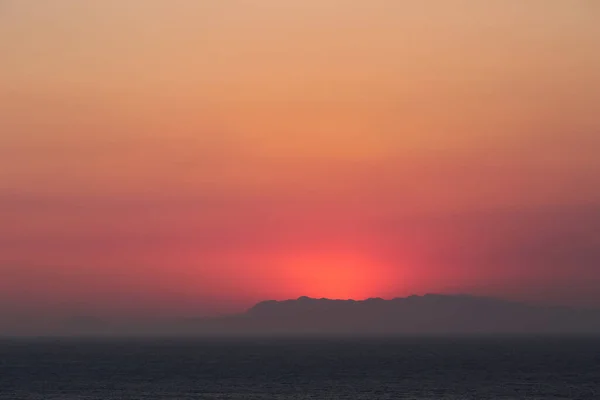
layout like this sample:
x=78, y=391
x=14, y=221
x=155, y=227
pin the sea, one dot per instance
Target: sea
x=451, y=368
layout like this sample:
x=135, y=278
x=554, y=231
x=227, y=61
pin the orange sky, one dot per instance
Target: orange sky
x=195, y=156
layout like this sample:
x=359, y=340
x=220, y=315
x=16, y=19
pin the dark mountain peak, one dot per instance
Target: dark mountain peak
x=428, y=313
x=307, y=305
x=431, y=313
x=374, y=299
x=377, y=300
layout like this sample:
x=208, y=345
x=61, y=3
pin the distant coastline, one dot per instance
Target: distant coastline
x=431, y=314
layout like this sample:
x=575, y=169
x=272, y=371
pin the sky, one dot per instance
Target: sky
x=192, y=157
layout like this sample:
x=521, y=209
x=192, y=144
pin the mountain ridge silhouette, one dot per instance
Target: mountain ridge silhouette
x=429, y=314
x=426, y=314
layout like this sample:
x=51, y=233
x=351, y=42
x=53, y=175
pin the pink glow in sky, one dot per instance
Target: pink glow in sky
x=189, y=157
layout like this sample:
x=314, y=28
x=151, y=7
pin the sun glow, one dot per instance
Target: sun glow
x=333, y=276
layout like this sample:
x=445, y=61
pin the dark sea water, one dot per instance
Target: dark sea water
x=459, y=368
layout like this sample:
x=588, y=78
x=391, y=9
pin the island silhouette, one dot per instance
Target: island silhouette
x=430, y=314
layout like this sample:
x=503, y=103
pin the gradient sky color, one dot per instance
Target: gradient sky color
x=187, y=157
